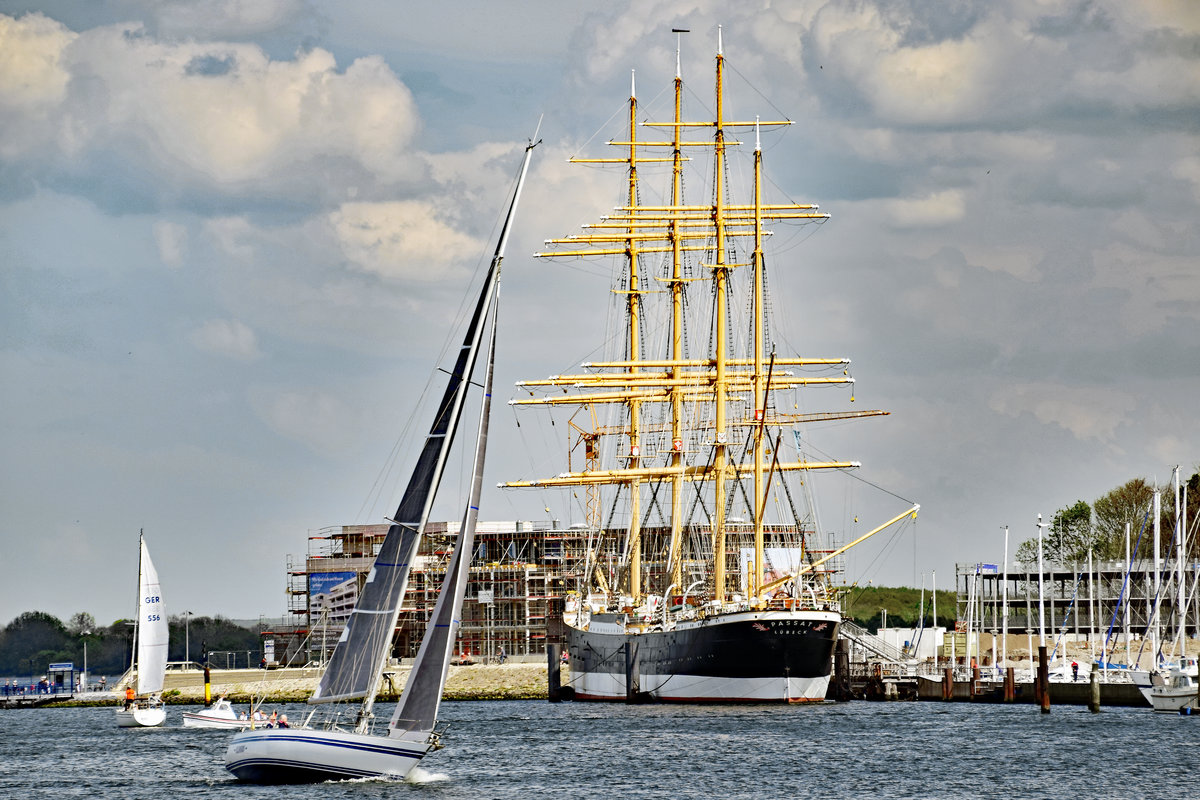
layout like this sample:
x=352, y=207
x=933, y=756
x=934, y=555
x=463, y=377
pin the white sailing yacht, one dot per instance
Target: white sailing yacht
x=145, y=709
x=328, y=747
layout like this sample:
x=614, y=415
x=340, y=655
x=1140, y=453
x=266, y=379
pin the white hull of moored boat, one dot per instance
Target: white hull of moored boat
x=673, y=688
x=1177, y=693
x=141, y=717
x=296, y=755
x=1173, y=701
x=219, y=715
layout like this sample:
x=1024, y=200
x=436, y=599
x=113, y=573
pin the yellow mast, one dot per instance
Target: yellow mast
x=635, y=450
x=760, y=387
x=676, y=542
x=720, y=276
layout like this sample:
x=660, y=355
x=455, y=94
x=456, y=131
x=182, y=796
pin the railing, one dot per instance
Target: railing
x=869, y=641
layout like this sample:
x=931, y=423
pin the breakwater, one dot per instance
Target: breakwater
x=511, y=681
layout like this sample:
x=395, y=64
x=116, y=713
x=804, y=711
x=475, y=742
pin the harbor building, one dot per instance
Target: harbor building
x=1136, y=610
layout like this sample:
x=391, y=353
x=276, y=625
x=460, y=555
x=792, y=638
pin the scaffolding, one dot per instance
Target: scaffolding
x=521, y=574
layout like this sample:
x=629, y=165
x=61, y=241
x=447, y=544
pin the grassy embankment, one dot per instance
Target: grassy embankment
x=865, y=604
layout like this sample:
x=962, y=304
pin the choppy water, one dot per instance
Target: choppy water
x=510, y=749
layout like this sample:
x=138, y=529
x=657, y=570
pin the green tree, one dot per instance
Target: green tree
x=1189, y=491
x=29, y=635
x=1068, y=539
x=80, y=623
x=1128, y=504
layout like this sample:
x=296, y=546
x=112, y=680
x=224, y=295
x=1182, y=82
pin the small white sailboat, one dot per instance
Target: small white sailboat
x=145, y=709
x=220, y=714
x=333, y=748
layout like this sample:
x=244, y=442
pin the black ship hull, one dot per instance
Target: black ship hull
x=752, y=656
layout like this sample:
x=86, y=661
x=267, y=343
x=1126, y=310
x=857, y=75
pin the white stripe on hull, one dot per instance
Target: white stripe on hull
x=699, y=688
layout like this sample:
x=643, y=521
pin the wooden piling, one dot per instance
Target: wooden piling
x=553, y=672
x=1043, y=680
x=1010, y=685
x=841, y=670
x=632, y=679
x=1094, y=699
x=948, y=684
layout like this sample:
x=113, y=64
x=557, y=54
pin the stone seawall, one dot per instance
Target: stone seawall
x=512, y=681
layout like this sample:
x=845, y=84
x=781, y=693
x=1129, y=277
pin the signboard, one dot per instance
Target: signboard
x=486, y=596
x=322, y=582
x=62, y=666
x=268, y=650
x=989, y=569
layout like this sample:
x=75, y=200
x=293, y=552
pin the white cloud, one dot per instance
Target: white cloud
x=931, y=210
x=171, y=239
x=227, y=337
x=317, y=419
x=224, y=18
x=224, y=114
x=401, y=239
x=1087, y=413
x=33, y=79
x=1188, y=169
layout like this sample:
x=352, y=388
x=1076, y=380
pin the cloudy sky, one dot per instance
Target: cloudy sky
x=234, y=238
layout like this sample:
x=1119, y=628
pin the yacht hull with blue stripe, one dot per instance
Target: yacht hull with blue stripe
x=302, y=755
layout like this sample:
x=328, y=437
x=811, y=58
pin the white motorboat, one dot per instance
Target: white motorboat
x=1178, y=694
x=145, y=709
x=220, y=714
x=333, y=747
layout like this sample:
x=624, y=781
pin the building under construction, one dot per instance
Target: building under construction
x=520, y=575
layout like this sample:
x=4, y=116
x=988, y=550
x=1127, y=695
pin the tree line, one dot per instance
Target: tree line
x=36, y=639
x=1099, y=528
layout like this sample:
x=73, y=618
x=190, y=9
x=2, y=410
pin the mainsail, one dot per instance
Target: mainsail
x=354, y=669
x=152, y=628
x=417, y=709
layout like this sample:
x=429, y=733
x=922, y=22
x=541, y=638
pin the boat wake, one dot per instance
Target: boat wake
x=420, y=776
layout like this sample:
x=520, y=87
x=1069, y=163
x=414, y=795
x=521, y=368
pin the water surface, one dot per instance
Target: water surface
x=531, y=749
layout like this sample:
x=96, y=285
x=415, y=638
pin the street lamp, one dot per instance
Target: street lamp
x=1041, y=586
x=1004, y=606
x=187, y=650
x=85, y=634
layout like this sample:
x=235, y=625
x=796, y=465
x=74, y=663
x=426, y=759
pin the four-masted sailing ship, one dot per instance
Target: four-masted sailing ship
x=695, y=588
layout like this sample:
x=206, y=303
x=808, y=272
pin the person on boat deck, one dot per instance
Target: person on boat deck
x=283, y=723
x=129, y=695
x=1074, y=670
x=274, y=719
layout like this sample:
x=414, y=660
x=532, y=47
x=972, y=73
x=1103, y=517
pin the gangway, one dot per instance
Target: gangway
x=859, y=636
